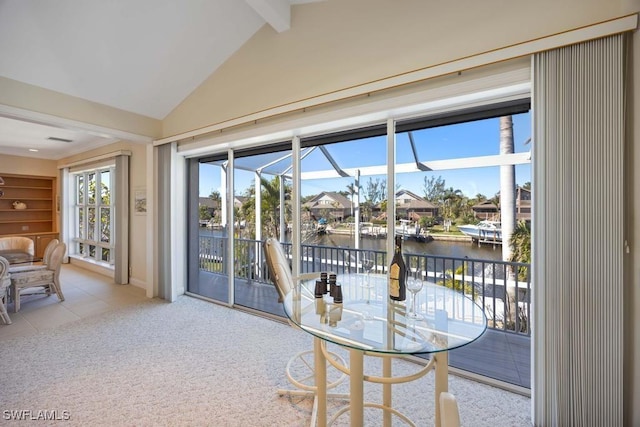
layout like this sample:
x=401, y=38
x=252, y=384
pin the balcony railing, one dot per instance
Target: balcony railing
x=501, y=288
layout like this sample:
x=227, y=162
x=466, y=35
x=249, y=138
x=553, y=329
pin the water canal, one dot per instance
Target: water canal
x=443, y=248
x=452, y=249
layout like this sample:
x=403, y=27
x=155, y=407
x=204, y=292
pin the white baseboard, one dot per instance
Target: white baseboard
x=138, y=283
x=92, y=266
x=104, y=270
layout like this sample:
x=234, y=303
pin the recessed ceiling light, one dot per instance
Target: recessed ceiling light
x=33, y=150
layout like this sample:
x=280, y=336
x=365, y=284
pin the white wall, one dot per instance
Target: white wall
x=137, y=226
x=339, y=44
x=36, y=99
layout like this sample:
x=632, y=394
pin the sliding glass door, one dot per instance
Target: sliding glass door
x=258, y=207
x=208, y=228
x=262, y=209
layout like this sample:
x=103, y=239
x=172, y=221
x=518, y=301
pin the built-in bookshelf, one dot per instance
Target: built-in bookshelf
x=38, y=219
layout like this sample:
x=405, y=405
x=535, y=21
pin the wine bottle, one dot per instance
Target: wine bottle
x=398, y=274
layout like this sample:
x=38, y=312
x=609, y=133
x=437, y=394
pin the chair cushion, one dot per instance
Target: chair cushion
x=23, y=268
x=278, y=264
x=29, y=278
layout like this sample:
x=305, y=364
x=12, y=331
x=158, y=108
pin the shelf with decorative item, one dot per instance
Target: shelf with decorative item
x=27, y=205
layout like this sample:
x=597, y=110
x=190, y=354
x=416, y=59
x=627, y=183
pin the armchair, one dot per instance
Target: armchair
x=48, y=278
x=5, y=282
x=45, y=259
x=17, y=243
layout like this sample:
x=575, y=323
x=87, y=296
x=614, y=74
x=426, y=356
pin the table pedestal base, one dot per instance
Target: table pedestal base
x=305, y=390
x=438, y=363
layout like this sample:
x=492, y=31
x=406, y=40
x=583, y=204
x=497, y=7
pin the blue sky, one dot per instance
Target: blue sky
x=478, y=138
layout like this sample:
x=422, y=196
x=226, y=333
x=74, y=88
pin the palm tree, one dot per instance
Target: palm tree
x=520, y=243
x=270, y=206
x=352, y=189
x=215, y=196
x=507, y=185
x=451, y=201
x=508, y=208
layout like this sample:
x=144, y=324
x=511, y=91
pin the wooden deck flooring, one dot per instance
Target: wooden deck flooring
x=498, y=355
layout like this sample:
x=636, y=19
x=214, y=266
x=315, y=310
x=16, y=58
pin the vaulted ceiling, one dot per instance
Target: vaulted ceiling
x=120, y=53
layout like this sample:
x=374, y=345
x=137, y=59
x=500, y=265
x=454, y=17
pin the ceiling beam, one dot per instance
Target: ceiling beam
x=277, y=13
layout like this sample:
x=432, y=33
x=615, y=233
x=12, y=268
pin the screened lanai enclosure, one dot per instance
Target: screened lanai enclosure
x=337, y=199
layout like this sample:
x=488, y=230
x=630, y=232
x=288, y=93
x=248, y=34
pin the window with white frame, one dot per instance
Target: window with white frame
x=94, y=214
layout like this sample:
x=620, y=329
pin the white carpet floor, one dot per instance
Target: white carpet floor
x=194, y=363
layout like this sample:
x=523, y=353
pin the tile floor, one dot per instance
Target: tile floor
x=86, y=294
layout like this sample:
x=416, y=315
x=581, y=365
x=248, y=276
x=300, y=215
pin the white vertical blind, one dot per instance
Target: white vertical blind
x=121, y=274
x=66, y=218
x=578, y=234
x=165, y=160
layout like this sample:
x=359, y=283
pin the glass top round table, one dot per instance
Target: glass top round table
x=368, y=320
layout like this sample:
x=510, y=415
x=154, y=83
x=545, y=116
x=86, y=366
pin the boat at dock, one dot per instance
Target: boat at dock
x=368, y=229
x=408, y=229
x=321, y=228
x=483, y=232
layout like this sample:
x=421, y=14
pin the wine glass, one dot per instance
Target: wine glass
x=414, y=285
x=367, y=265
